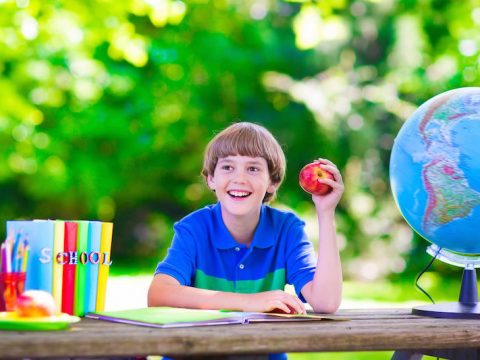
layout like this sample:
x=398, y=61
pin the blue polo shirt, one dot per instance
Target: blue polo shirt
x=203, y=254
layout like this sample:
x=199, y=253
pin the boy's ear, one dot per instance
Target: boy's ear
x=211, y=182
x=272, y=188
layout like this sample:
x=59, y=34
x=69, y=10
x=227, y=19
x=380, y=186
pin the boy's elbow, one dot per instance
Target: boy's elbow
x=156, y=295
x=326, y=305
x=325, y=302
x=151, y=302
x=326, y=308
x=155, y=298
x=152, y=299
x=161, y=290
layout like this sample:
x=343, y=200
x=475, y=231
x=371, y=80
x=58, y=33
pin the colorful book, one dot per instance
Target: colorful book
x=169, y=317
x=69, y=259
x=58, y=240
x=95, y=257
x=104, y=267
x=40, y=238
x=81, y=271
x=69, y=267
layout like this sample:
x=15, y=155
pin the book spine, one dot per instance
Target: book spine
x=69, y=267
x=58, y=241
x=39, y=236
x=95, y=234
x=81, y=271
x=105, y=247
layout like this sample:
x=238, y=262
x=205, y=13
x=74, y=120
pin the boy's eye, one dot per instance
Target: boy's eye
x=226, y=167
x=253, y=169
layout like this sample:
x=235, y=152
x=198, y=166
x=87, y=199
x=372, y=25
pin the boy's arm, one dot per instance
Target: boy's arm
x=324, y=292
x=167, y=291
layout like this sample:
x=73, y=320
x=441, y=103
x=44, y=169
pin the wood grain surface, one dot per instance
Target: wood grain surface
x=373, y=329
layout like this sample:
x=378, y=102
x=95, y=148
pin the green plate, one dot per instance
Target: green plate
x=10, y=321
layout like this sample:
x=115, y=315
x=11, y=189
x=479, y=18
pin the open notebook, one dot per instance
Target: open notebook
x=169, y=317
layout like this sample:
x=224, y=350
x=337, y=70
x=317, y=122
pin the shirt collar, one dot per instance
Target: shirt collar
x=262, y=238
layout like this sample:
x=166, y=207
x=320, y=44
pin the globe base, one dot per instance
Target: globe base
x=467, y=307
x=451, y=310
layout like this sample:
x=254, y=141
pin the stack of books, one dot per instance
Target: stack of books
x=69, y=259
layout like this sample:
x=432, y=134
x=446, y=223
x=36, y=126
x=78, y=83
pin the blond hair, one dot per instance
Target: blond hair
x=246, y=139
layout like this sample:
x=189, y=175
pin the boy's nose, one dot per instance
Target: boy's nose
x=239, y=177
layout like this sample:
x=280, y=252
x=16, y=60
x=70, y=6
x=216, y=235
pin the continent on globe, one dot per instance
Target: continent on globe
x=449, y=195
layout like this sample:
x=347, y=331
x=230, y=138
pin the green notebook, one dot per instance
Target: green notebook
x=169, y=317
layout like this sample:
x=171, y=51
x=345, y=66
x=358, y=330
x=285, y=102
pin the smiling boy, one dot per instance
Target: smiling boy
x=239, y=253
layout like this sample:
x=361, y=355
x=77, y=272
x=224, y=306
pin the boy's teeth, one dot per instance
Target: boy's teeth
x=239, y=193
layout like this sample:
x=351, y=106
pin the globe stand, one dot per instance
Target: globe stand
x=467, y=306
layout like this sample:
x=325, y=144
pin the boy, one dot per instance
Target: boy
x=239, y=253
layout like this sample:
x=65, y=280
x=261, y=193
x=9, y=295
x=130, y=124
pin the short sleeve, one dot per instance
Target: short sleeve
x=301, y=260
x=180, y=260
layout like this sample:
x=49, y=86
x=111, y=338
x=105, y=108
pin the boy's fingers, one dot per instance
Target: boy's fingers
x=332, y=169
x=282, y=306
x=324, y=161
x=334, y=184
x=296, y=305
x=301, y=307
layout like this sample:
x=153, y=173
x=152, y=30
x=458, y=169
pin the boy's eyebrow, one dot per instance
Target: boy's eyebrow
x=254, y=162
x=250, y=162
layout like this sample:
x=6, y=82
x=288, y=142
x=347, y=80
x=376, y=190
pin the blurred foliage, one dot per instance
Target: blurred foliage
x=106, y=107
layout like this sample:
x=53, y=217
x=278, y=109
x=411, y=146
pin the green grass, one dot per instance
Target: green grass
x=371, y=355
x=124, y=267
x=403, y=290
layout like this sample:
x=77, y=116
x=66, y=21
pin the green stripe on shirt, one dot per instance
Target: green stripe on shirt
x=273, y=281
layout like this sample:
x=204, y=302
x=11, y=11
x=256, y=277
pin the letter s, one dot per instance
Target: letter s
x=46, y=255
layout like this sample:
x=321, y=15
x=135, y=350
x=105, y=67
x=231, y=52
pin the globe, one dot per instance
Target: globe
x=435, y=170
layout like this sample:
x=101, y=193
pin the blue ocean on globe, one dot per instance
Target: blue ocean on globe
x=435, y=170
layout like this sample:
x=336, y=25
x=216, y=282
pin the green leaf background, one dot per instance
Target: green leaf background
x=106, y=107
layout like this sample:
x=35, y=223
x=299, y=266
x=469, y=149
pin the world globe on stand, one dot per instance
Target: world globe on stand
x=435, y=170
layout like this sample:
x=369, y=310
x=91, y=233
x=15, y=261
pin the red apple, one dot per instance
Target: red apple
x=35, y=303
x=309, y=176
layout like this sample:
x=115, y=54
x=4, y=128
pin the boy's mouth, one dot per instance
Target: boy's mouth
x=237, y=194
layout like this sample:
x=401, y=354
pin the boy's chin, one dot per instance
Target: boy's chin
x=240, y=208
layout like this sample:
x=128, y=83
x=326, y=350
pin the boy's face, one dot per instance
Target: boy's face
x=240, y=183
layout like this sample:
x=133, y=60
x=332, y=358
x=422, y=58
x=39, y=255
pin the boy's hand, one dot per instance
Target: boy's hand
x=330, y=200
x=274, y=300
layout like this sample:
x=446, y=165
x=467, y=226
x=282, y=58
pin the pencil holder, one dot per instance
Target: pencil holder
x=12, y=284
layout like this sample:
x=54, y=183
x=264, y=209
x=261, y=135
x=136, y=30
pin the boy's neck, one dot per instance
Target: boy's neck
x=242, y=228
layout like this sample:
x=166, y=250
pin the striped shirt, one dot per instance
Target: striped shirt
x=203, y=254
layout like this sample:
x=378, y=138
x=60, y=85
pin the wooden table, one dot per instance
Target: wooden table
x=366, y=330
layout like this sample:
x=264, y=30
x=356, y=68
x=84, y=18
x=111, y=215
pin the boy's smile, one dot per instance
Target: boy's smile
x=240, y=184
x=239, y=194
